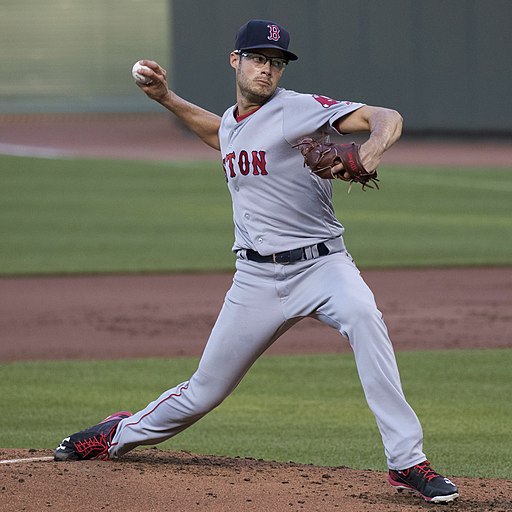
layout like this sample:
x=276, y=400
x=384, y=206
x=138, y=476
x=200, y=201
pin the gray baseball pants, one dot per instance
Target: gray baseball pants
x=265, y=300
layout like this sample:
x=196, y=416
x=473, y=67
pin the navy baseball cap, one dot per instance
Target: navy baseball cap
x=264, y=34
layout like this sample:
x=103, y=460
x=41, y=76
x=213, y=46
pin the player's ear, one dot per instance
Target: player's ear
x=234, y=59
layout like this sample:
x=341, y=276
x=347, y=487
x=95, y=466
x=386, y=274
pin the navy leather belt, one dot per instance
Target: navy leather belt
x=287, y=257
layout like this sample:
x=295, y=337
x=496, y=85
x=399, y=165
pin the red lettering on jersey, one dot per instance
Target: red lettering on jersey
x=274, y=33
x=228, y=159
x=325, y=101
x=259, y=164
x=243, y=163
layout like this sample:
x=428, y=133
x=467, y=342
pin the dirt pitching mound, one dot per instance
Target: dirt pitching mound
x=154, y=480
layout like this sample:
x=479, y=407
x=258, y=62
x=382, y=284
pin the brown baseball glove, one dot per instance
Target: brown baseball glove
x=321, y=157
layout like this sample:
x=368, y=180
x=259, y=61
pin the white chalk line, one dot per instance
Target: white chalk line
x=29, y=459
x=33, y=151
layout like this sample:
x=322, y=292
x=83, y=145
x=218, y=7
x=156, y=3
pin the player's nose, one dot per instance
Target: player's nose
x=267, y=67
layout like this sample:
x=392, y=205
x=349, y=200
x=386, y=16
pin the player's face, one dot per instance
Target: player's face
x=256, y=79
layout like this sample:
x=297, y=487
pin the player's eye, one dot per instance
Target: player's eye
x=260, y=60
x=278, y=63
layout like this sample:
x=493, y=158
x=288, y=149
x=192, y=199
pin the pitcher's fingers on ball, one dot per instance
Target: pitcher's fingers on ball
x=159, y=70
x=142, y=74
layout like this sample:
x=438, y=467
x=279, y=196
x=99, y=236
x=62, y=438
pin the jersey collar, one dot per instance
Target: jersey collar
x=245, y=116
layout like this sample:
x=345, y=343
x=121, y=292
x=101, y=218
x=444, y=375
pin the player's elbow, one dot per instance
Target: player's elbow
x=394, y=122
x=397, y=120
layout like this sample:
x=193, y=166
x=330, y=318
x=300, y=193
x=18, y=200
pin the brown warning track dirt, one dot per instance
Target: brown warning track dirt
x=110, y=317
x=156, y=136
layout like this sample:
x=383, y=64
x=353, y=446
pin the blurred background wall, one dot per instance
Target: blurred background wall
x=77, y=55
x=445, y=65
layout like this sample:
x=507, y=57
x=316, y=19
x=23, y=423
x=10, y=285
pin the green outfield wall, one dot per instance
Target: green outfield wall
x=445, y=65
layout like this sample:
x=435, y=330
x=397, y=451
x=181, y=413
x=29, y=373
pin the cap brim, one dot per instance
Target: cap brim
x=287, y=54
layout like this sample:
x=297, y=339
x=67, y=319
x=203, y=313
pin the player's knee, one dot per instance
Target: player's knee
x=207, y=403
x=207, y=393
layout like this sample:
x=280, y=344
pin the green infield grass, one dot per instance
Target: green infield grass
x=60, y=216
x=307, y=409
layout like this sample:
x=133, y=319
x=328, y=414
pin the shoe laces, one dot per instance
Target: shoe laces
x=426, y=471
x=96, y=445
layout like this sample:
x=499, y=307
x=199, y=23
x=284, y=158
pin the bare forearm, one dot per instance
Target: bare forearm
x=203, y=123
x=385, y=127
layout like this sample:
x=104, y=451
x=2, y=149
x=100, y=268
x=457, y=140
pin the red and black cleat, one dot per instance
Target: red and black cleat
x=423, y=479
x=91, y=443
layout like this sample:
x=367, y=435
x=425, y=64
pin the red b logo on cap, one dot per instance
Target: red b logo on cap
x=274, y=34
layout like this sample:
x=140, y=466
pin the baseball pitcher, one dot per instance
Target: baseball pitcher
x=291, y=259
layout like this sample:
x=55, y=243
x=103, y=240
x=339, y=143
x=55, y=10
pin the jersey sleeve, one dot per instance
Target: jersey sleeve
x=306, y=114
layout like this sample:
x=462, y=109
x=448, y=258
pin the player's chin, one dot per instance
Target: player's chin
x=268, y=90
x=259, y=97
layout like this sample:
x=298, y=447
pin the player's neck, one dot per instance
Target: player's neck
x=244, y=108
x=246, y=105
x=240, y=117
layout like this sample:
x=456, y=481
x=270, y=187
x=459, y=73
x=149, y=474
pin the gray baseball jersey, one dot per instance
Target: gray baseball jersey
x=279, y=205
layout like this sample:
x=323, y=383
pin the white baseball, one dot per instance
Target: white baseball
x=140, y=79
